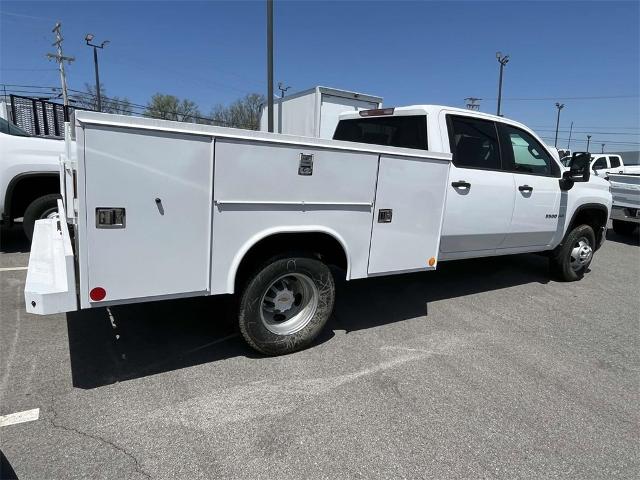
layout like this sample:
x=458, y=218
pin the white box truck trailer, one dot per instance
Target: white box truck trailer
x=315, y=112
x=161, y=210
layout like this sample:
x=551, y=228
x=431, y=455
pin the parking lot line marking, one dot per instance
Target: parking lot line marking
x=12, y=269
x=20, y=417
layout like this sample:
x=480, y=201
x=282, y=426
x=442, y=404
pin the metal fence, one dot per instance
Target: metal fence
x=39, y=117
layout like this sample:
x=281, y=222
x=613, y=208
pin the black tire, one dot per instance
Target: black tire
x=623, y=228
x=257, y=323
x=560, y=260
x=40, y=208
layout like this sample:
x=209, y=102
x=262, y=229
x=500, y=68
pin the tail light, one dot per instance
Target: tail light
x=376, y=112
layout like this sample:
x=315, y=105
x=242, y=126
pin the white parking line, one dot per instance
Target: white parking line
x=19, y=417
x=12, y=269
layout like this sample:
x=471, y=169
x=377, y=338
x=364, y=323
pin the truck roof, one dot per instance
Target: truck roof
x=436, y=109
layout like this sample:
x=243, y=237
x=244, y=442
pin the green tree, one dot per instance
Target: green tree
x=243, y=113
x=89, y=100
x=170, y=107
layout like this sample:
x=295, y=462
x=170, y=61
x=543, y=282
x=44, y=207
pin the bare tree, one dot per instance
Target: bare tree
x=89, y=101
x=170, y=107
x=243, y=113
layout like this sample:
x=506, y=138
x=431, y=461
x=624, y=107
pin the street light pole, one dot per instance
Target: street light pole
x=503, y=60
x=270, y=65
x=569, y=142
x=559, y=106
x=88, y=38
x=602, y=148
x=588, y=141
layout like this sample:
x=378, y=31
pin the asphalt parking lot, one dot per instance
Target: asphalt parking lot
x=483, y=369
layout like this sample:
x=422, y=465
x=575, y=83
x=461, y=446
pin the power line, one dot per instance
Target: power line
x=546, y=99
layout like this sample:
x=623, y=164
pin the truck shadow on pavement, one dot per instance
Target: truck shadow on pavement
x=137, y=340
x=633, y=239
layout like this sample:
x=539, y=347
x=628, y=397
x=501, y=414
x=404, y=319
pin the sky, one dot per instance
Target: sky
x=583, y=54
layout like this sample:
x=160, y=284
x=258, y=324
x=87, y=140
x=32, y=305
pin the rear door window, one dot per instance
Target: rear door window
x=408, y=131
x=615, y=162
x=474, y=143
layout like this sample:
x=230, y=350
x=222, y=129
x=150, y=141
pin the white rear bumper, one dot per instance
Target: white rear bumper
x=51, y=280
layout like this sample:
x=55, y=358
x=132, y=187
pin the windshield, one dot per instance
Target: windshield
x=11, y=129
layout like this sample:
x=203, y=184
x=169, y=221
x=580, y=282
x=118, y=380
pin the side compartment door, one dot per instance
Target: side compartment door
x=480, y=194
x=536, y=212
x=408, y=214
x=148, y=217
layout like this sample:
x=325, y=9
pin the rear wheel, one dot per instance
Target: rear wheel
x=42, y=207
x=571, y=261
x=286, y=303
x=623, y=228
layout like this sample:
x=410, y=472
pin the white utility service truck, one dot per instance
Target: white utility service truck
x=162, y=210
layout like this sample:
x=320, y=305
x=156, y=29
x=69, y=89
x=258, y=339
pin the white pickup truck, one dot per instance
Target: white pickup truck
x=29, y=176
x=163, y=210
x=604, y=164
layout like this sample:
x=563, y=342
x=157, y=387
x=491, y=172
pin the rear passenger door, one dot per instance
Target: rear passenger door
x=537, y=190
x=615, y=165
x=480, y=193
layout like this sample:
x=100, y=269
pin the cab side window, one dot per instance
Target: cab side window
x=524, y=154
x=615, y=162
x=600, y=164
x=474, y=143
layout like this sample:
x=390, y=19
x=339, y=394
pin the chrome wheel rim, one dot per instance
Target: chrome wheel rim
x=581, y=254
x=289, y=303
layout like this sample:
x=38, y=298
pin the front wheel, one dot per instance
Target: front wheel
x=570, y=262
x=286, y=303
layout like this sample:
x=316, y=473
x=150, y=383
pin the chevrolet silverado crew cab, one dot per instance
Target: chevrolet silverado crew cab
x=163, y=210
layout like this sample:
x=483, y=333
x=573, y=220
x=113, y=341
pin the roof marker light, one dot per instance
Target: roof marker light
x=376, y=112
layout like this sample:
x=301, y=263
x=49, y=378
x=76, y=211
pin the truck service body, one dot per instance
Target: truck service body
x=164, y=209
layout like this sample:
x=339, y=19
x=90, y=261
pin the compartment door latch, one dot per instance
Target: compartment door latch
x=306, y=164
x=107, y=217
x=385, y=215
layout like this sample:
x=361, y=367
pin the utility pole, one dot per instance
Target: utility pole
x=472, y=103
x=88, y=38
x=588, y=141
x=602, y=151
x=60, y=58
x=559, y=106
x=503, y=60
x=282, y=89
x=569, y=142
x=270, y=65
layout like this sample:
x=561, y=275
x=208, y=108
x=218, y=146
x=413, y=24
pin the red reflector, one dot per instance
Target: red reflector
x=97, y=294
x=376, y=112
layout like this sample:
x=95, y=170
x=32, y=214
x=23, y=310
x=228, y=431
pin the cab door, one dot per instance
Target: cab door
x=536, y=210
x=480, y=193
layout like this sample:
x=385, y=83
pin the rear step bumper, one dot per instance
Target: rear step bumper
x=51, y=280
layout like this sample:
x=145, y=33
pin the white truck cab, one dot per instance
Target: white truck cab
x=164, y=210
x=29, y=176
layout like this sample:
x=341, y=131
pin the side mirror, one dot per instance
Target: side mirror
x=579, y=171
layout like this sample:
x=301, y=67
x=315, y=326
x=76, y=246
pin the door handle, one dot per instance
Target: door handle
x=525, y=188
x=460, y=184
